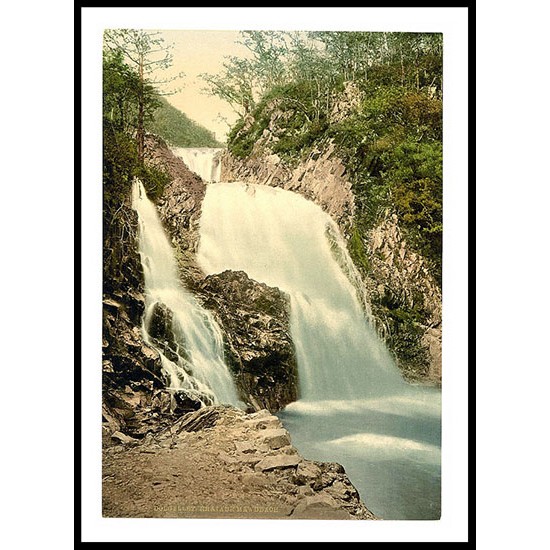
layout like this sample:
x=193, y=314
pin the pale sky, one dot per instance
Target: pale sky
x=197, y=52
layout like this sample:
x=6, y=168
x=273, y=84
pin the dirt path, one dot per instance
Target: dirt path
x=220, y=462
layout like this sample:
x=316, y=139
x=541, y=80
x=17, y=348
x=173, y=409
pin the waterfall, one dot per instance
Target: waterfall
x=282, y=239
x=196, y=365
x=354, y=407
x=204, y=161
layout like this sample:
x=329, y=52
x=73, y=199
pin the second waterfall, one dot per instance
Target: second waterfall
x=191, y=349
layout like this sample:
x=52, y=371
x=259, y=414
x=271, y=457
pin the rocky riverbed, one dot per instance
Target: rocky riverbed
x=220, y=462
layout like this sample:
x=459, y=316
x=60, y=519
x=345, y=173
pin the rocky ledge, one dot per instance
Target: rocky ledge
x=221, y=462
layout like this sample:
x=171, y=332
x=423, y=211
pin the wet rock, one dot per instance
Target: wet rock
x=259, y=348
x=161, y=333
x=185, y=402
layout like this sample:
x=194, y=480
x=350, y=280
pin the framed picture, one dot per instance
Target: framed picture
x=279, y=213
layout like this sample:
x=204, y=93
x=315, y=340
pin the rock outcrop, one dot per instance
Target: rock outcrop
x=406, y=301
x=134, y=398
x=259, y=348
x=221, y=462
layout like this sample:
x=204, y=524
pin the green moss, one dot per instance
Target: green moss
x=154, y=180
x=356, y=249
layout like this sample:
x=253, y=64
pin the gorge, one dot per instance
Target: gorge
x=349, y=401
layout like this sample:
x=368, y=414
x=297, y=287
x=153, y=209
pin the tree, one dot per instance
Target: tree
x=234, y=84
x=244, y=80
x=145, y=53
x=120, y=85
x=269, y=50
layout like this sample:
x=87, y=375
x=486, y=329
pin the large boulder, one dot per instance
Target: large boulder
x=259, y=348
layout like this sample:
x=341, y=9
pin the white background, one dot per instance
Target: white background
x=512, y=300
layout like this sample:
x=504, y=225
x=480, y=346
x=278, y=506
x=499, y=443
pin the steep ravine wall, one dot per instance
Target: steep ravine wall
x=404, y=298
x=135, y=400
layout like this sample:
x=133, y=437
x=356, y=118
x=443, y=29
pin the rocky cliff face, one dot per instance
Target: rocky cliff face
x=406, y=301
x=134, y=398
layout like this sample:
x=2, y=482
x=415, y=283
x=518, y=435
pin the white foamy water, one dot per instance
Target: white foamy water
x=204, y=161
x=413, y=404
x=281, y=239
x=200, y=368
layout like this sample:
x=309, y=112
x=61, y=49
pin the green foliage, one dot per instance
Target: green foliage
x=241, y=141
x=298, y=123
x=154, y=180
x=143, y=53
x=119, y=165
x=392, y=148
x=356, y=249
x=120, y=92
x=178, y=129
x=246, y=132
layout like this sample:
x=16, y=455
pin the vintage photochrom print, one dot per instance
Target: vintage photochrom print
x=272, y=274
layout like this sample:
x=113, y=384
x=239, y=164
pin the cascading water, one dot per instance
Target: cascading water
x=204, y=161
x=280, y=238
x=354, y=406
x=199, y=366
